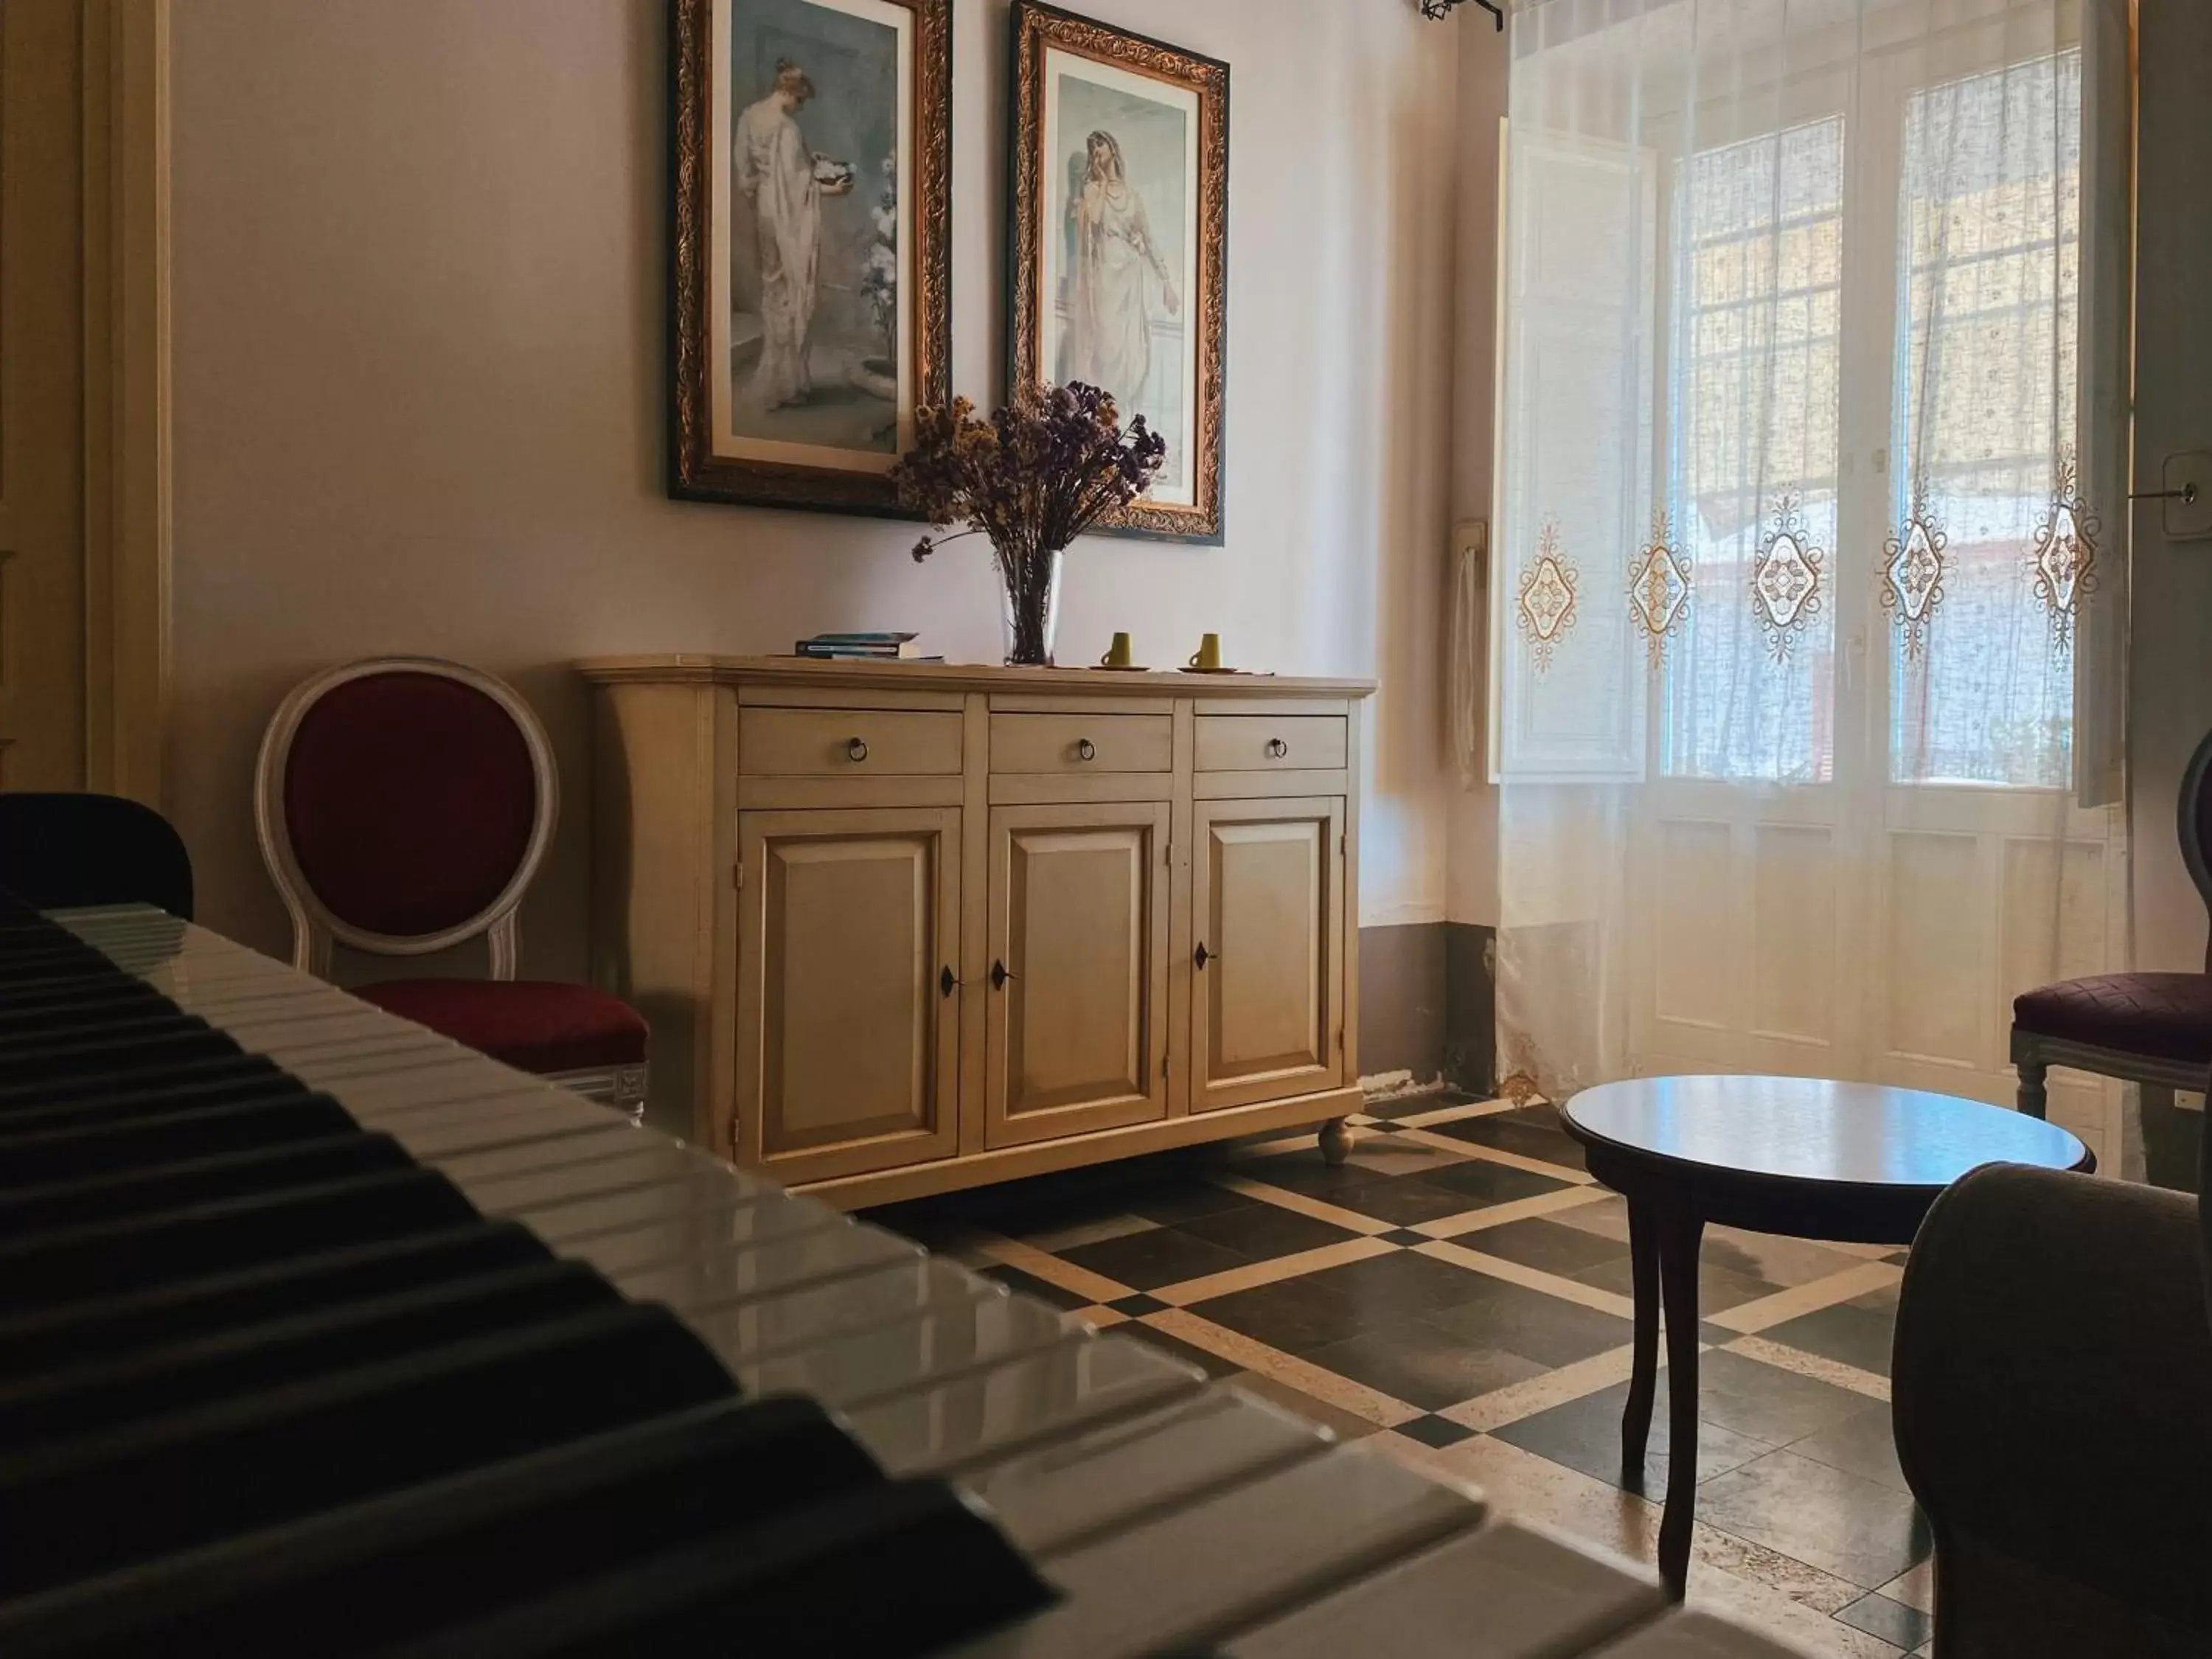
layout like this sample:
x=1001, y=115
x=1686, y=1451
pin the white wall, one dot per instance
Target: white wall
x=419, y=395
x=2170, y=697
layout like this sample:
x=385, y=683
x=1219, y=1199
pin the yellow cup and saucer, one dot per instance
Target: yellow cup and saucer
x=1120, y=658
x=1207, y=659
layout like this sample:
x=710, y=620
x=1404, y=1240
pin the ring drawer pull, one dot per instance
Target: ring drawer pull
x=1278, y=747
x=1086, y=749
x=856, y=750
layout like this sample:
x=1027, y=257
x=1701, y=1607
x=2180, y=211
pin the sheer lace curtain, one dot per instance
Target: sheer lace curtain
x=1809, y=616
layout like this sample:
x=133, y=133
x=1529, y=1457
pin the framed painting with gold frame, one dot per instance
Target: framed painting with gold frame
x=810, y=304
x=1118, y=244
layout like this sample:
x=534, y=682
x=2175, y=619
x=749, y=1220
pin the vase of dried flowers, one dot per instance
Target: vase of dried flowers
x=1031, y=478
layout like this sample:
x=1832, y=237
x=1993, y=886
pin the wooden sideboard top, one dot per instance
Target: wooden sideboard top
x=684, y=667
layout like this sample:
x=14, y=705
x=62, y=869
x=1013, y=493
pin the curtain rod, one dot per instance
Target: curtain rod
x=1444, y=8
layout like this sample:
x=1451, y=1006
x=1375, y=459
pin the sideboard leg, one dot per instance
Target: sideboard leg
x=1335, y=1142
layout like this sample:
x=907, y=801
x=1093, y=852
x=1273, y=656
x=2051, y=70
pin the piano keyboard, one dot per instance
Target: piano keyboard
x=320, y=1333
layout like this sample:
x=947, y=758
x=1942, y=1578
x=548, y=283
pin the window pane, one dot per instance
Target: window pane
x=1988, y=294
x=1755, y=436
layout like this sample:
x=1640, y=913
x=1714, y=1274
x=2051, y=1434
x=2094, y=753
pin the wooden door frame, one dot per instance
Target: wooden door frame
x=127, y=528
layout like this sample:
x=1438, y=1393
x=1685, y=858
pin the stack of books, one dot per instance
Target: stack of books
x=863, y=647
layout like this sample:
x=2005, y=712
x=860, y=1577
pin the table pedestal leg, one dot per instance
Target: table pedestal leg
x=1679, y=1234
x=1644, y=1380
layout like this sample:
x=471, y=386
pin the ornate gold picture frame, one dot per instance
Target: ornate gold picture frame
x=1119, y=244
x=810, y=306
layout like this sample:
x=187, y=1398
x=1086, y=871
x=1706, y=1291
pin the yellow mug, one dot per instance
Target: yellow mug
x=1208, y=657
x=1120, y=654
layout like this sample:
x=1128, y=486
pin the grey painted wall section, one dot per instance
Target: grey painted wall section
x=1428, y=1004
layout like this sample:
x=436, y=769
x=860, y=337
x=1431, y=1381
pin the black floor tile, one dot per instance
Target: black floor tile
x=1480, y=1182
x=1888, y=1621
x=1546, y=1328
x=1307, y=1174
x=1138, y=1304
x=1211, y=1363
x=1260, y=1232
x=1857, y=1530
x=1404, y=1235
x=1509, y=1134
x=1768, y=1403
x=1718, y=1288
x=1030, y=1284
x=1175, y=1197
x=1585, y=1434
x=1856, y=1336
x=1863, y=1445
x=1547, y=1245
x=1413, y=1361
x=1384, y=1287
x=1405, y=1201
x=1434, y=1430
x=1412, y=1105
x=1157, y=1256
x=1294, y=1315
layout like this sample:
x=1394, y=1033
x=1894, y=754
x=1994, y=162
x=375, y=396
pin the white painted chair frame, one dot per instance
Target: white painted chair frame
x=314, y=928
x=2168, y=1139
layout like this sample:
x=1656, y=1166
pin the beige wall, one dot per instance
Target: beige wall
x=419, y=392
x=2170, y=695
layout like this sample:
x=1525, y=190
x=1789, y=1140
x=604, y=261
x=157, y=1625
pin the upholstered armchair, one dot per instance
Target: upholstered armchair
x=2052, y=1397
x=2151, y=1029
x=403, y=805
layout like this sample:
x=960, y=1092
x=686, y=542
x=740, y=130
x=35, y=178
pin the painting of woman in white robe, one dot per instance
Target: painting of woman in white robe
x=1120, y=180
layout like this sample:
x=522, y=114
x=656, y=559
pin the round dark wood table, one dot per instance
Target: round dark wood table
x=1853, y=1161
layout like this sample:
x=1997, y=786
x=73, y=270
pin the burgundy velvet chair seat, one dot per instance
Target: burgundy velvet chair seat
x=533, y=1025
x=2168, y=1015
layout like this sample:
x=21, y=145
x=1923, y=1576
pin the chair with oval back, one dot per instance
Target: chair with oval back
x=2151, y=1029
x=403, y=805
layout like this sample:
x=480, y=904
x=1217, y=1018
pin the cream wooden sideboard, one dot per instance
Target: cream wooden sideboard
x=905, y=927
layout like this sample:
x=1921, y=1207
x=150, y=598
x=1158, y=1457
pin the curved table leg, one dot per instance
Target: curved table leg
x=1680, y=1232
x=1644, y=1380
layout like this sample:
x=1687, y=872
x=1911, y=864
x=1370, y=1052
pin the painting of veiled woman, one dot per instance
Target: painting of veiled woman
x=1120, y=169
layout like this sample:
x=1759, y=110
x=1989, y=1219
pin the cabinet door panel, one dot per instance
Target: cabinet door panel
x=1078, y=921
x=848, y=1042
x=1267, y=998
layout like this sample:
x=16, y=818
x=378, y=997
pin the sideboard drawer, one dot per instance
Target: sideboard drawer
x=847, y=743
x=1082, y=744
x=1265, y=743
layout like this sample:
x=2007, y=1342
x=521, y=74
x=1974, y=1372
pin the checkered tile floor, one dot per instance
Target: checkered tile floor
x=1459, y=1292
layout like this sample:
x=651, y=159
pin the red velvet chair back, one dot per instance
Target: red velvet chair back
x=404, y=805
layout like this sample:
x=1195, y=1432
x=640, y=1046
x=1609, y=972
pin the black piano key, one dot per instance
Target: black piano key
x=179, y=1309
x=94, y=1029
x=27, y=1009
x=83, y=1151
x=148, y=1050
x=362, y=1576
x=904, y=1569
x=51, y=1093
x=232, y=1082
x=149, y=1056
x=89, y=1398
x=25, y=1212
x=111, y=1258
x=93, y=1505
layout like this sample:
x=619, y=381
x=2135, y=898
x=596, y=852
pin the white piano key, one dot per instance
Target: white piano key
x=804, y=1318
x=520, y=1096
x=1204, y=1572
x=1507, y=1592
x=524, y=1119
x=682, y=1267
x=867, y=1366
x=1073, y=1489
x=998, y=1414
x=606, y=1159
x=1689, y=1635
x=432, y=1077
x=702, y=1207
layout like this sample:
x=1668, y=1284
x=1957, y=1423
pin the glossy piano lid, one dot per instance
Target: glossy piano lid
x=977, y=1419
x=1788, y=1128
x=1076, y=1489
x=815, y=1314
x=862, y=1367
x=1211, y=1569
x=1691, y=1635
x=1506, y=1592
